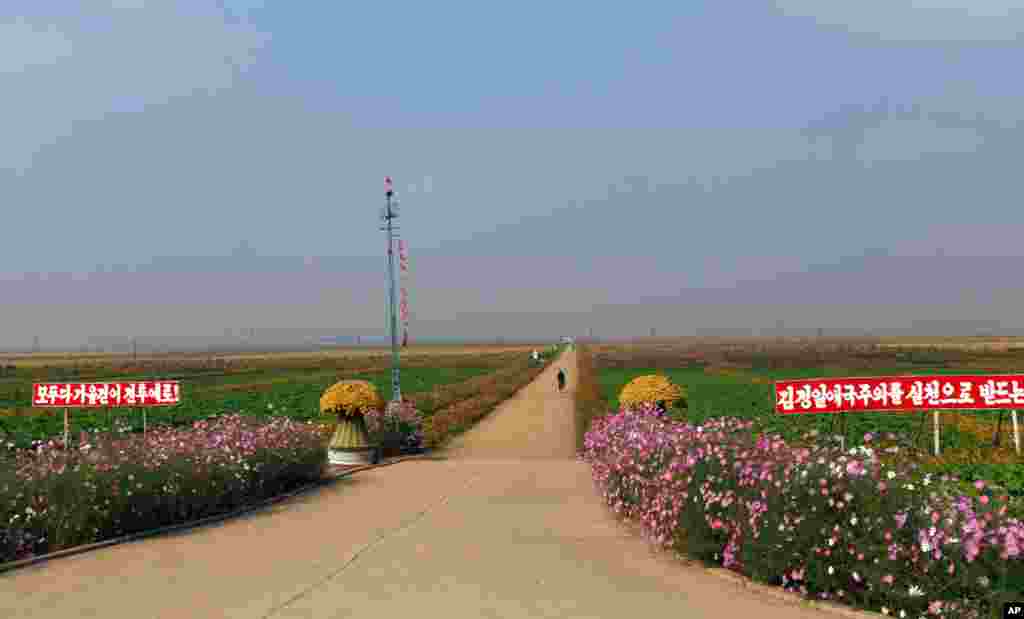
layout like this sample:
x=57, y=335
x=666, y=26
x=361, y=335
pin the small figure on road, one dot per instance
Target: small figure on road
x=561, y=379
x=536, y=356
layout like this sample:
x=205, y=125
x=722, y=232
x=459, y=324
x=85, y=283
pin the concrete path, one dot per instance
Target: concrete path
x=508, y=526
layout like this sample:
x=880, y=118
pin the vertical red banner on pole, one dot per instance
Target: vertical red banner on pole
x=403, y=261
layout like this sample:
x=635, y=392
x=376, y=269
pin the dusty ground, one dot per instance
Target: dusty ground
x=505, y=525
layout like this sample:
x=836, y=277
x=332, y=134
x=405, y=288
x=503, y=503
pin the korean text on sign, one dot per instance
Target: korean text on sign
x=835, y=395
x=96, y=395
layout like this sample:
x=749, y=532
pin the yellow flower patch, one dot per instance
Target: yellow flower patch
x=651, y=390
x=350, y=397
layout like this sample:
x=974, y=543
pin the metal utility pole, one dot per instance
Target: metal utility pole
x=388, y=214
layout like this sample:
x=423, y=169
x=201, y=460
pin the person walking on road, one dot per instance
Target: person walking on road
x=561, y=379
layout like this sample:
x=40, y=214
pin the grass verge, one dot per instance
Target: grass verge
x=590, y=402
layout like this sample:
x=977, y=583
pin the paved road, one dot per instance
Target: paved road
x=508, y=526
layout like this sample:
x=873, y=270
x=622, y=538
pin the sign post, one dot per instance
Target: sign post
x=388, y=215
x=105, y=395
x=1016, y=432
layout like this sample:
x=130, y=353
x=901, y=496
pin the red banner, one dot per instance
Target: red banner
x=403, y=307
x=403, y=257
x=97, y=395
x=899, y=393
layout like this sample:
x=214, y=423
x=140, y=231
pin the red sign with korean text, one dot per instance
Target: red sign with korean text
x=898, y=393
x=99, y=395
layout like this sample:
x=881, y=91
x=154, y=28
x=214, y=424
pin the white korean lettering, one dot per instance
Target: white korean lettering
x=966, y=392
x=1016, y=392
x=896, y=393
x=880, y=395
x=785, y=398
x=169, y=393
x=994, y=393
x=850, y=394
x=803, y=397
x=115, y=394
x=820, y=396
x=916, y=394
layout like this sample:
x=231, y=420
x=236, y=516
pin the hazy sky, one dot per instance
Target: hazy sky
x=183, y=166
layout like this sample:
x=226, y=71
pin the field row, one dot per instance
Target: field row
x=736, y=381
x=293, y=392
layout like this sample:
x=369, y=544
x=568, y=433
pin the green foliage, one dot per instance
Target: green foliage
x=713, y=395
x=588, y=401
x=116, y=485
x=291, y=394
x=818, y=521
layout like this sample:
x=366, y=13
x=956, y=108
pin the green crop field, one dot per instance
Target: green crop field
x=293, y=389
x=735, y=380
x=742, y=386
x=738, y=396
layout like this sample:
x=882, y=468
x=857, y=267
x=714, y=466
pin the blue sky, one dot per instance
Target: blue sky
x=771, y=137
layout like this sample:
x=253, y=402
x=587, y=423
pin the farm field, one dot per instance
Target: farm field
x=269, y=384
x=734, y=378
x=240, y=434
x=956, y=343
x=333, y=353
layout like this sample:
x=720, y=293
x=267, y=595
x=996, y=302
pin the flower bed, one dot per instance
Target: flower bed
x=113, y=485
x=845, y=527
x=397, y=429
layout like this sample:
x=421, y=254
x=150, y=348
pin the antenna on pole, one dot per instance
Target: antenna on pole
x=388, y=214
